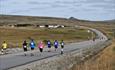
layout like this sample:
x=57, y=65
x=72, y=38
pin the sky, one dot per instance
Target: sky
x=94, y=10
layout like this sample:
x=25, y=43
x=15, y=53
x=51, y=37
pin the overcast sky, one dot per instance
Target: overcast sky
x=81, y=9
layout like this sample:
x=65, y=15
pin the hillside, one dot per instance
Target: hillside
x=8, y=19
x=105, y=26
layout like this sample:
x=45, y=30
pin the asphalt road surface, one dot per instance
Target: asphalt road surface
x=18, y=59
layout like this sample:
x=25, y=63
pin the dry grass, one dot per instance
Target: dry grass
x=103, y=61
x=106, y=28
x=17, y=35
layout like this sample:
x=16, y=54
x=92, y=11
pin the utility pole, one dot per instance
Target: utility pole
x=89, y=33
x=92, y=34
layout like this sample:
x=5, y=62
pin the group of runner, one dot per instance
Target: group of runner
x=40, y=45
x=56, y=44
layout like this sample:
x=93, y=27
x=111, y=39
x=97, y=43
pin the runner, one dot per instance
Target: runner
x=49, y=45
x=4, y=47
x=25, y=47
x=93, y=39
x=41, y=46
x=56, y=44
x=32, y=46
x=62, y=46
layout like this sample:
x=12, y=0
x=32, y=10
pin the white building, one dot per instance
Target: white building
x=42, y=26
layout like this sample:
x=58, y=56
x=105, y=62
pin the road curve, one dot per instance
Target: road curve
x=18, y=59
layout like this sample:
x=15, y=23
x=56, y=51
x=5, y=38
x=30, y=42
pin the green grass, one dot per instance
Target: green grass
x=17, y=36
x=67, y=34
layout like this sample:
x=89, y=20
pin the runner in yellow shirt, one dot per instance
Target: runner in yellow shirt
x=4, y=46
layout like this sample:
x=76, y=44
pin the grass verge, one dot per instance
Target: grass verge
x=102, y=61
x=16, y=36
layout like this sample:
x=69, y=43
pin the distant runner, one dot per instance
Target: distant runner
x=4, y=47
x=25, y=47
x=62, y=46
x=93, y=39
x=49, y=45
x=41, y=46
x=32, y=46
x=56, y=44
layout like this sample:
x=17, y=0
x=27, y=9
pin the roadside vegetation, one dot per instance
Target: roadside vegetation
x=15, y=36
x=105, y=60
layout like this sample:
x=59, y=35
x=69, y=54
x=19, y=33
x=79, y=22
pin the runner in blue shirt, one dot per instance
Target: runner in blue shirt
x=56, y=44
x=32, y=46
x=49, y=45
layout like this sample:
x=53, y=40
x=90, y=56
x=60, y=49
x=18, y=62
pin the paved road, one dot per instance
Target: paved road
x=18, y=59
